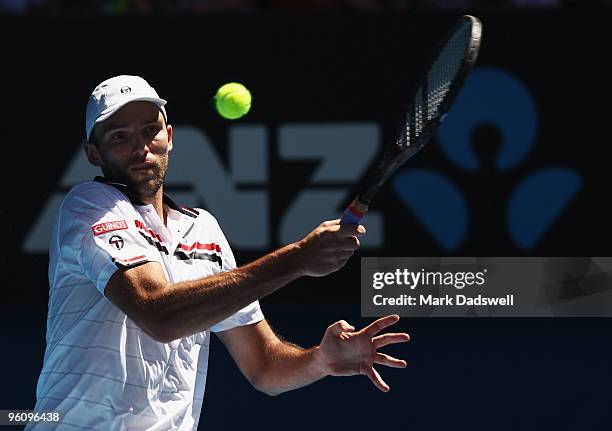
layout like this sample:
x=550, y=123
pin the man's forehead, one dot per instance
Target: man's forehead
x=133, y=113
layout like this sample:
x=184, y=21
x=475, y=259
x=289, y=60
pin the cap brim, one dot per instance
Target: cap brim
x=107, y=113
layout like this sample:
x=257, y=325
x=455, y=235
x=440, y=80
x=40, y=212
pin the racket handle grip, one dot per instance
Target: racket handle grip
x=354, y=213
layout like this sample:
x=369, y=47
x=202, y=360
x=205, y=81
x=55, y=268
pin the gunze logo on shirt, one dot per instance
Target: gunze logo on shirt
x=110, y=226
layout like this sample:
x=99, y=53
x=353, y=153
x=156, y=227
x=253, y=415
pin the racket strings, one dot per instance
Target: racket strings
x=431, y=94
x=445, y=68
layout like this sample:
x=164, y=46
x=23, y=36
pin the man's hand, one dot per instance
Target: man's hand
x=344, y=352
x=327, y=248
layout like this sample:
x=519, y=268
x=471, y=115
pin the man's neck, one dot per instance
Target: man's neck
x=157, y=201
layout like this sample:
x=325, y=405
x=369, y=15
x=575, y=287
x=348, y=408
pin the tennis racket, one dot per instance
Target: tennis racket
x=431, y=100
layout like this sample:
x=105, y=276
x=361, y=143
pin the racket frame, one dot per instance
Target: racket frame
x=397, y=153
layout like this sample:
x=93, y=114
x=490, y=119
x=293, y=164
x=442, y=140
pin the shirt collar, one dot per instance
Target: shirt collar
x=136, y=201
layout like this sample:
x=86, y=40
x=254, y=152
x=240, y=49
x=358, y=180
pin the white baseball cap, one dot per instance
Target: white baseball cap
x=114, y=93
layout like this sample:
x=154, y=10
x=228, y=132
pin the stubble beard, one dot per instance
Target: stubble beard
x=148, y=187
x=144, y=187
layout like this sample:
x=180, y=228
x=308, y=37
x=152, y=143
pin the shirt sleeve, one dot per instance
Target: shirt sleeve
x=252, y=313
x=99, y=232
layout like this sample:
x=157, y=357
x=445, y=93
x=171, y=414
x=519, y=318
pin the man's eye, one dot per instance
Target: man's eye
x=152, y=130
x=116, y=137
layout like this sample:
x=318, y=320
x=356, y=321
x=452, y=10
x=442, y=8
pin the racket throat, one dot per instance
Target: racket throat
x=358, y=207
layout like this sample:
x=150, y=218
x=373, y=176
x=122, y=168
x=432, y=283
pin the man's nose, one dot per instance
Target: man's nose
x=140, y=144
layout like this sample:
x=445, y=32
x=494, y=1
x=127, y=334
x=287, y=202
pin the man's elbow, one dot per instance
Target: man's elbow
x=153, y=320
x=163, y=335
x=272, y=392
x=165, y=325
x=156, y=329
x=262, y=384
x=142, y=297
x=162, y=323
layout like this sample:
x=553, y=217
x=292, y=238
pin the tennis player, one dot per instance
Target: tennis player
x=138, y=284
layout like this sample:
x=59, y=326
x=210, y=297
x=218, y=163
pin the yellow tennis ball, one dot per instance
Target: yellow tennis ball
x=232, y=100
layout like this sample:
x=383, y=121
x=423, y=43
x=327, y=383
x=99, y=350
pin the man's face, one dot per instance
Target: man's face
x=133, y=146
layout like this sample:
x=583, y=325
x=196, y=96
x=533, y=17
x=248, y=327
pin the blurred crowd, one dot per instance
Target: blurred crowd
x=61, y=7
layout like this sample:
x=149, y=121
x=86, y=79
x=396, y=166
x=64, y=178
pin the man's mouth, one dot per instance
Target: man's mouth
x=142, y=166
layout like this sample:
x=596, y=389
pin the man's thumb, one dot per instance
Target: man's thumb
x=341, y=326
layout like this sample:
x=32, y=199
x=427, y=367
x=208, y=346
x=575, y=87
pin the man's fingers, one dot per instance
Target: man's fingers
x=380, y=324
x=346, y=327
x=351, y=230
x=377, y=380
x=350, y=243
x=385, y=339
x=389, y=361
x=329, y=223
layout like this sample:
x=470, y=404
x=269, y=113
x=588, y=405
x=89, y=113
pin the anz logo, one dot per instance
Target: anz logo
x=237, y=191
x=492, y=97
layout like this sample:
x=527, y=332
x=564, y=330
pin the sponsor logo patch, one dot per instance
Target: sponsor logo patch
x=116, y=241
x=108, y=226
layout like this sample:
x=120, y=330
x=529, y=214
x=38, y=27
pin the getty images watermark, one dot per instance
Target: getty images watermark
x=486, y=286
x=413, y=279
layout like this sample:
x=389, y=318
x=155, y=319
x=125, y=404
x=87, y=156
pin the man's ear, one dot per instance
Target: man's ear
x=92, y=153
x=169, y=130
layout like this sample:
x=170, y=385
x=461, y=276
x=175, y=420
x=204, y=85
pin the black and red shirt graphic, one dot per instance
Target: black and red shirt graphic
x=151, y=236
x=198, y=250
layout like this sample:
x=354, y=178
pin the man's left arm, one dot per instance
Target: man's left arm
x=274, y=366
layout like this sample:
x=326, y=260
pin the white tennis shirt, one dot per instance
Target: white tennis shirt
x=100, y=370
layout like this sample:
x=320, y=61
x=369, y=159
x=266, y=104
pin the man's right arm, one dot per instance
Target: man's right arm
x=169, y=311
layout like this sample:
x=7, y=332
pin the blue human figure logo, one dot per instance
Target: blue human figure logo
x=495, y=98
